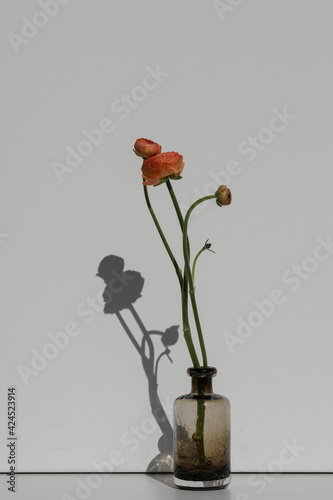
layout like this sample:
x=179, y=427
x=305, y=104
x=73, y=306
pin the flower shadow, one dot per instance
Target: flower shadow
x=123, y=289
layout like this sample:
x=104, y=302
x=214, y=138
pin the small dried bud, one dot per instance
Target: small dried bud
x=223, y=196
x=207, y=246
x=146, y=148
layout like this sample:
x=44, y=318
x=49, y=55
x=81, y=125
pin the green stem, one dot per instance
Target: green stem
x=178, y=211
x=195, y=262
x=205, y=247
x=184, y=290
x=182, y=282
x=175, y=202
x=189, y=279
x=200, y=424
x=189, y=276
x=160, y=232
x=186, y=327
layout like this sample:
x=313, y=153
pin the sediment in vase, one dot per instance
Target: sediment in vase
x=209, y=467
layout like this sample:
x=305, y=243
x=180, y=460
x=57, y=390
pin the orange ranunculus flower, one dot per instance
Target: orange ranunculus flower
x=159, y=168
x=223, y=196
x=146, y=148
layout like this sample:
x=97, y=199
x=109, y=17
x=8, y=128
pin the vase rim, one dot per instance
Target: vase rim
x=202, y=371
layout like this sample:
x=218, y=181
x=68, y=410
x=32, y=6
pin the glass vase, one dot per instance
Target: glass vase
x=201, y=435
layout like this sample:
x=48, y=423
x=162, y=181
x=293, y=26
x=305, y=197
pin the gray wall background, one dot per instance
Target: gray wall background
x=223, y=71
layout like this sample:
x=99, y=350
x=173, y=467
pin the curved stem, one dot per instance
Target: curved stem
x=182, y=282
x=175, y=202
x=189, y=276
x=205, y=247
x=186, y=327
x=178, y=211
x=184, y=288
x=158, y=227
x=195, y=262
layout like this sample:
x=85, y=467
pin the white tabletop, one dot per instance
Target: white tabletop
x=156, y=486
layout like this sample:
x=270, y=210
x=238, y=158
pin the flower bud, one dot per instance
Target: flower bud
x=146, y=148
x=223, y=196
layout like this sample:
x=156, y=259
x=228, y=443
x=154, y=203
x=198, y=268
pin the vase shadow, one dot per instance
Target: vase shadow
x=166, y=479
x=123, y=289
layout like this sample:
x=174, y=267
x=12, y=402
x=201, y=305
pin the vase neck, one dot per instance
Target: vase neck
x=201, y=379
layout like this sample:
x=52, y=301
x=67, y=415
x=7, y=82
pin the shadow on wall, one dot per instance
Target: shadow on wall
x=122, y=289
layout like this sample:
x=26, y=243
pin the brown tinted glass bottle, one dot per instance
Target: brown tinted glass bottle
x=202, y=434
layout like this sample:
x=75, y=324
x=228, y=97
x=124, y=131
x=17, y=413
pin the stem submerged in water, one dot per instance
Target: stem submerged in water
x=199, y=433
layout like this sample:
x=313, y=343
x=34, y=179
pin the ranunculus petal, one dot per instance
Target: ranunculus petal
x=161, y=166
x=146, y=148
